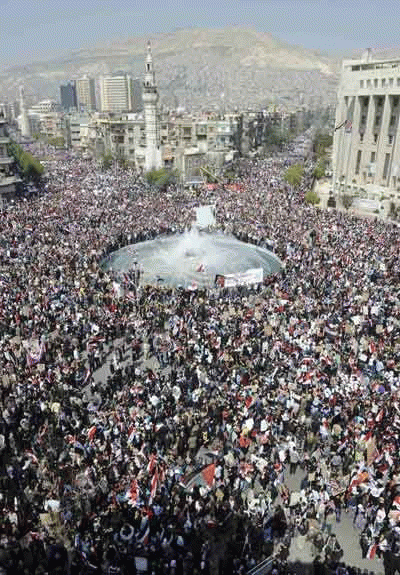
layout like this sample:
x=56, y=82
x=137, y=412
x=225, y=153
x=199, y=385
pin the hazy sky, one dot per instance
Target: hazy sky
x=38, y=29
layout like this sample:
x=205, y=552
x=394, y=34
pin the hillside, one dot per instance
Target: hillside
x=231, y=67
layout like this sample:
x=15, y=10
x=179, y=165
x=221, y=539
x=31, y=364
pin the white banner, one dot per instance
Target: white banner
x=249, y=277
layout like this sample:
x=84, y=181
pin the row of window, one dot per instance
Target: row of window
x=375, y=82
x=373, y=157
x=390, y=138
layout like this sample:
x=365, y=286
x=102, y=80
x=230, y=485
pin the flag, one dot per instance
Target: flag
x=203, y=477
x=152, y=463
x=92, y=432
x=133, y=493
x=249, y=401
x=153, y=486
x=348, y=126
x=208, y=474
x=372, y=551
x=360, y=478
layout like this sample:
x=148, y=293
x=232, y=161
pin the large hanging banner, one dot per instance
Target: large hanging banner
x=250, y=277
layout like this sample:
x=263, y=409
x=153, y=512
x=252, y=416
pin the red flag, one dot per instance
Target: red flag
x=249, y=401
x=152, y=463
x=372, y=551
x=92, y=432
x=208, y=474
x=133, y=493
x=154, y=485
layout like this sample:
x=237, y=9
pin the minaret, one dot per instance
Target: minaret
x=24, y=120
x=150, y=100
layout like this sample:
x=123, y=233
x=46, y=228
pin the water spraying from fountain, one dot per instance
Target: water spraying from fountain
x=194, y=258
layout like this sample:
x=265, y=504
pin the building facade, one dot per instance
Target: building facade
x=116, y=93
x=68, y=96
x=8, y=180
x=366, y=147
x=85, y=94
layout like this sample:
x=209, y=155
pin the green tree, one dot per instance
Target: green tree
x=57, y=142
x=30, y=167
x=322, y=142
x=393, y=211
x=161, y=178
x=106, y=160
x=319, y=170
x=294, y=174
x=347, y=201
x=311, y=198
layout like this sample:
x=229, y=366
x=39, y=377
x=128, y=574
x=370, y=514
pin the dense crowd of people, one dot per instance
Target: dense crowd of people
x=154, y=428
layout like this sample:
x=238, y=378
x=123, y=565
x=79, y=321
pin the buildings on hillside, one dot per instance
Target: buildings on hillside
x=366, y=147
x=131, y=126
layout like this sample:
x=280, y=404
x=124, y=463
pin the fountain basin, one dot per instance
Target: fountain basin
x=192, y=259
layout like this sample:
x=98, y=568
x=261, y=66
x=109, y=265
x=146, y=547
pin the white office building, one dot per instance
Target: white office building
x=85, y=93
x=366, y=147
x=116, y=93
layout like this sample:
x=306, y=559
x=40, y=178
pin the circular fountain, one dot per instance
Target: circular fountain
x=193, y=258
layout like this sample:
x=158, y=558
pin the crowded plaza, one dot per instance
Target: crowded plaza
x=151, y=429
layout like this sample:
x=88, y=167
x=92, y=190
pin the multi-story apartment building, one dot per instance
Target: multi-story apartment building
x=366, y=147
x=68, y=96
x=8, y=180
x=85, y=93
x=75, y=130
x=116, y=93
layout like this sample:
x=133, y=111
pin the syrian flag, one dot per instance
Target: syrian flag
x=153, y=486
x=133, y=493
x=92, y=432
x=347, y=125
x=151, y=467
x=372, y=551
x=358, y=480
x=249, y=401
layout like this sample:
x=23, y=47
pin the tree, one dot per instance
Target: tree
x=294, y=174
x=162, y=178
x=393, y=210
x=322, y=142
x=29, y=166
x=57, y=142
x=312, y=198
x=319, y=170
x=106, y=160
x=347, y=201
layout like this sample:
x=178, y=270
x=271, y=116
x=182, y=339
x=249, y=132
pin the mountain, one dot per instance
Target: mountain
x=227, y=68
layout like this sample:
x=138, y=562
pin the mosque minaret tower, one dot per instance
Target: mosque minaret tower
x=151, y=120
x=24, y=119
